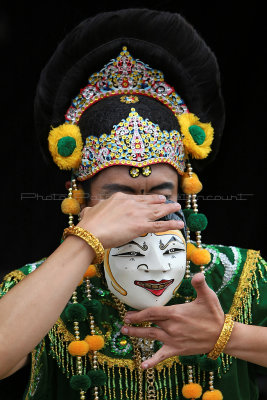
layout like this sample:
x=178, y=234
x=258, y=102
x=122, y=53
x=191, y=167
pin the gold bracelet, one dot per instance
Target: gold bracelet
x=90, y=239
x=223, y=338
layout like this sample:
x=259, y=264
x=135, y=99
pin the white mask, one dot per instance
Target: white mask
x=147, y=271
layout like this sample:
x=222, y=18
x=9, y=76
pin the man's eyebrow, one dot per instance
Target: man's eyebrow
x=163, y=246
x=117, y=187
x=164, y=185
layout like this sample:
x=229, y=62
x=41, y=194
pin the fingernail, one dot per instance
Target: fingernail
x=127, y=321
x=162, y=197
x=145, y=365
x=124, y=330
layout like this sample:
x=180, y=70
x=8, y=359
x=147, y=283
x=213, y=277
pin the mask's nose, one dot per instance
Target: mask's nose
x=157, y=262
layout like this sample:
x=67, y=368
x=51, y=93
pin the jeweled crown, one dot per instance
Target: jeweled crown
x=134, y=142
x=125, y=75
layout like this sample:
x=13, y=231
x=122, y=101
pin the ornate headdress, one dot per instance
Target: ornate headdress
x=109, y=96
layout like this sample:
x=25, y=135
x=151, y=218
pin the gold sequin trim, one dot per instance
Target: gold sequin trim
x=61, y=329
x=245, y=283
x=34, y=364
x=130, y=364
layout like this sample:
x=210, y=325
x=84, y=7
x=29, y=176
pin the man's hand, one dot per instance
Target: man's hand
x=124, y=217
x=184, y=329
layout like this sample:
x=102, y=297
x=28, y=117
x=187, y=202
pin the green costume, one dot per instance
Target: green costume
x=134, y=63
x=237, y=276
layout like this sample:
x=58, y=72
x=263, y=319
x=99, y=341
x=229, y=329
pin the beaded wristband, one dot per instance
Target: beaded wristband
x=90, y=239
x=223, y=338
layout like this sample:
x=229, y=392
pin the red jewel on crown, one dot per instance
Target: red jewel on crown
x=125, y=83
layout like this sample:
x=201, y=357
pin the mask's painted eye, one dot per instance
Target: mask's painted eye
x=173, y=250
x=129, y=254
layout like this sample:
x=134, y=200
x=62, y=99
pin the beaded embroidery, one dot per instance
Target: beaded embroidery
x=230, y=268
x=36, y=370
x=129, y=99
x=134, y=142
x=125, y=75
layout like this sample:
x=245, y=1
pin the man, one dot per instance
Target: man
x=129, y=134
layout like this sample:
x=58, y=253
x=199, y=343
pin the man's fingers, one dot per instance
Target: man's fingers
x=149, y=314
x=160, y=210
x=163, y=226
x=84, y=210
x=151, y=199
x=159, y=356
x=204, y=293
x=147, y=333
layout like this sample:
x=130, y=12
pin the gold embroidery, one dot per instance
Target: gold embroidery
x=244, y=288
x=16, y=275
x=62, y=330
x=130, y=364
x=35, y=370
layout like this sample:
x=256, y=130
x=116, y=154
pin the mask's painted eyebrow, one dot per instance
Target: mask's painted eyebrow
x=144, y=247
x=163, y=246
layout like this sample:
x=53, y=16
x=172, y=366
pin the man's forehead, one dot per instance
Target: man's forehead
x=119, y=174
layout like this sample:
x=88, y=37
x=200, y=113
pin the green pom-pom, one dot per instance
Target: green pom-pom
x=98, y=377
x=190, y=360
x=197, y=222
x=207, y=364
x=186, y=289
x=198, y=134
x=76, y=312
x=66, y=146
x=194, y=269
x=80, y=382
x=187, y=212
x=92, y=306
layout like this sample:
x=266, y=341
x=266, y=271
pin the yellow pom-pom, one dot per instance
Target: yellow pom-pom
x=78, y=195
x=78, y=348
x=70, y=206
x=192, y=391
x=95, y=342
x=191, y=185
x=91, y=271
x=190, y=247
x=199, y=151
x=68, y=154
x=200, y=256
x=212, y=395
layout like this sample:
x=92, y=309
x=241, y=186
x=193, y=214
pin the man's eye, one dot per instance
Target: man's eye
x=173, y=250
x=130, y=254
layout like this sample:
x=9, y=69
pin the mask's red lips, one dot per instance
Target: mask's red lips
x=156, y=288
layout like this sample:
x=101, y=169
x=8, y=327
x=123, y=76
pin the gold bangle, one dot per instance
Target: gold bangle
x=223, y=338
x=90, y=239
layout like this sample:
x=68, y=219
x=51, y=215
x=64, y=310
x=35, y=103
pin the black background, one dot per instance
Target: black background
x=29, y=35
x=31, y=228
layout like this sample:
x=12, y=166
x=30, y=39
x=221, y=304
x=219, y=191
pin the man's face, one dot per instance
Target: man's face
x=147, y=271
x=150, y=275
x=163, y=180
